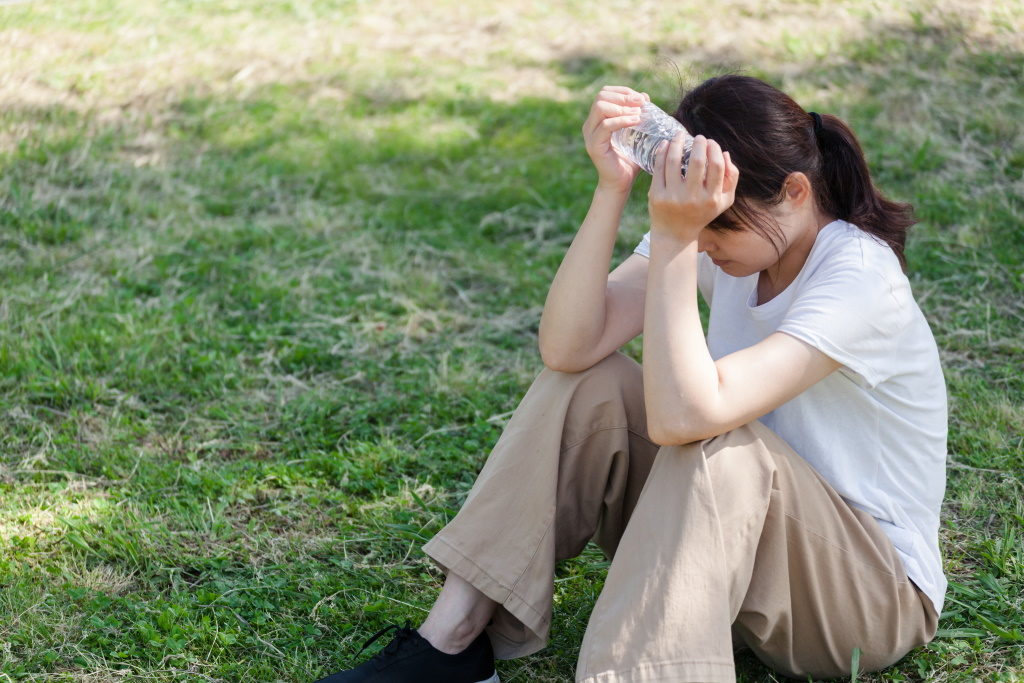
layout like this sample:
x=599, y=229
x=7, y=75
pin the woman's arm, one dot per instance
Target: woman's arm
x=580, y=301
x=687, y=394
x=589, y=313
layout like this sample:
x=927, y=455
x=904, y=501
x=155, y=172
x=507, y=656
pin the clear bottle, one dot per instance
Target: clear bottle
x=639, y=142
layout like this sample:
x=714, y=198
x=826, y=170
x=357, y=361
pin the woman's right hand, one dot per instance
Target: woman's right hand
x=615, y=107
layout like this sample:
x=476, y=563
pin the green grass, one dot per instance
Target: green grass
x=272, y=274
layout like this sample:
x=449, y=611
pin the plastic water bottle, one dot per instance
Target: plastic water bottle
x=639, y=142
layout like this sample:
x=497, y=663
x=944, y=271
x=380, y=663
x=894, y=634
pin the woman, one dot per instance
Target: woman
x=775, y=485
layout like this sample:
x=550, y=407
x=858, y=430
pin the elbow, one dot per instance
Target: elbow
x=561, y=362
x=550, y=359
x=661, y=433
x=554, y=365
x=666, y=437
x=549, y=355
x=678, y=432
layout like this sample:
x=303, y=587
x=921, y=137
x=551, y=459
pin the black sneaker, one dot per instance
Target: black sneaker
x=410, y=658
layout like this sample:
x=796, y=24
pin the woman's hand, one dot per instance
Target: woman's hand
x=681, y=206
x=615, y=107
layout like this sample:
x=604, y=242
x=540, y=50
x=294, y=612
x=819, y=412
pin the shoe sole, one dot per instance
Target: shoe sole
x=492, y=679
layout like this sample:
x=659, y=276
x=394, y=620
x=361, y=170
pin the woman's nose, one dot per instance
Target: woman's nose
x=703, y=241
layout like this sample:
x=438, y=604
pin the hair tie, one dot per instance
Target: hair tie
x=817, y=121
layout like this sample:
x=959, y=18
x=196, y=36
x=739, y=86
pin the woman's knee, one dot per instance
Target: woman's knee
x=752, y=443
x=737, y=463
x=606, y=395
x=614, y=365
x=617, y=378
x=616, y=375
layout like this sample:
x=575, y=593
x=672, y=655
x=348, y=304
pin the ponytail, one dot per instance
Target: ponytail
x=769, y=136
x=846, y=190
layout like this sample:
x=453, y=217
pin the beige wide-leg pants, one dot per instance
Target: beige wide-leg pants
x=735, y=538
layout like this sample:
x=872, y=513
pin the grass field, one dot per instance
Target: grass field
x=271, y=278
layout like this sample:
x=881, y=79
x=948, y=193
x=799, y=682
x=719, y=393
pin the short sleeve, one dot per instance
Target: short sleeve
x=856, y=315
x=705, y=267
x=644, y=248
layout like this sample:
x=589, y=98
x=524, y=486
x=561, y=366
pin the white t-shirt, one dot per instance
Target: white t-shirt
x=876, y=428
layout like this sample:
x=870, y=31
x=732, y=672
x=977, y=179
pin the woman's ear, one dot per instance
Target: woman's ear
x=798, y=189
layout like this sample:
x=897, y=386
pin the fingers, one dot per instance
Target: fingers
x=674, y=160
x=613, y=124
x=605, y=123
x=613, y=109
x=613, y=101
x=709, y=169
x=623, y=93
x=658, y=171
x=698, y=162
x=628, y=99
x=715, y=167
x=732, y=175
x=604, y=110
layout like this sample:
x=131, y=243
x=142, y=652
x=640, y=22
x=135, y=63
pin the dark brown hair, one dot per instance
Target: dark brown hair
x=768, y=136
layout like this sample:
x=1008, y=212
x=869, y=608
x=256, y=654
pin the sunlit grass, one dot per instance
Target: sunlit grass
x=273, y=271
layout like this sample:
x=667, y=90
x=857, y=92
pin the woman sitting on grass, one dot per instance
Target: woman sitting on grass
x=775, y=485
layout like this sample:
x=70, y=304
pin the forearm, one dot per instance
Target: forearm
x=681, y=380
x=574, y=312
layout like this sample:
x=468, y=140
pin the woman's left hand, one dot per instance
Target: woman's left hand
x=681, y=206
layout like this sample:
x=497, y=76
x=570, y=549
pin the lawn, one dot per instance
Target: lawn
x=272, y=273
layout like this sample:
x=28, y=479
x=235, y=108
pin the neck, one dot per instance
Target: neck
x=780, y=275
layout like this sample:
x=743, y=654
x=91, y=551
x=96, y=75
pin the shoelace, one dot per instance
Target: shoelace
x=403, y=635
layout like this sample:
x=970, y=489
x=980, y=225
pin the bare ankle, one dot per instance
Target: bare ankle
x=458, y=616
x=453, y=639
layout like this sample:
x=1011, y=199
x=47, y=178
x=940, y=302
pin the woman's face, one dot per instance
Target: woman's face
x=748, y=250
x=743, y=252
